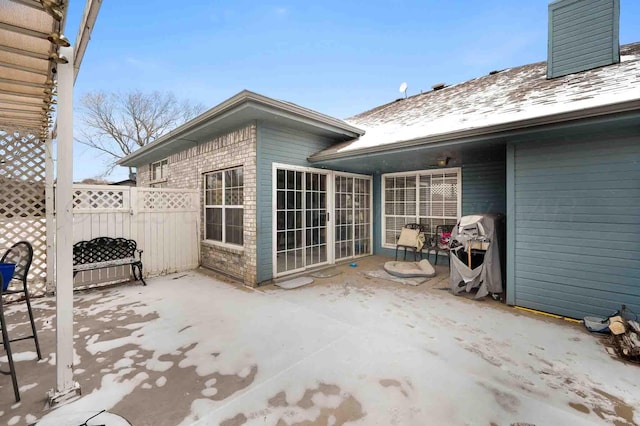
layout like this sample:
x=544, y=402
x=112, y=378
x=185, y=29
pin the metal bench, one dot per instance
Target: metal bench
x=105, y=252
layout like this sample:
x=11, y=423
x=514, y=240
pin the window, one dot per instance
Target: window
x=224, y=199
x=159, y=172
x=430, y=197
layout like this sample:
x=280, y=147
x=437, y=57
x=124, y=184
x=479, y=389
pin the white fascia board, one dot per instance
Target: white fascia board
x=233, y=105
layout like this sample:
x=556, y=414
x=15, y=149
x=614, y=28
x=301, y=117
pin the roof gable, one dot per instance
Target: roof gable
x=237, y=111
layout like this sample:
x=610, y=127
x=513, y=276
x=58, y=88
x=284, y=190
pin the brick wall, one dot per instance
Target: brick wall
x=143, y=175
x=186, y=170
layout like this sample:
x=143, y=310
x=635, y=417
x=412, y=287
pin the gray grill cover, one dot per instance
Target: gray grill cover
x=487, y=277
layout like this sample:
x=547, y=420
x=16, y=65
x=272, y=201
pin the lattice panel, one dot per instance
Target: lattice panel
x=22, y=157
x=21, y=176
x=98, y=199
x=22, y=200
x=155, y=200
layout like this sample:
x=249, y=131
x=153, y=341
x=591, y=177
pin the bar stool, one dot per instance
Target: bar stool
x=22, y=255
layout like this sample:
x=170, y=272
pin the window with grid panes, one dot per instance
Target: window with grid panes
x=224, y=206
x=159, y=173
x=159, y=170
x=429, y=197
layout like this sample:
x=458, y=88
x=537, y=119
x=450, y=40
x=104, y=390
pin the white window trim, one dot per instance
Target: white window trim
x=233, y=248
x=415, y=173
x=331, y=174
x=274, y=221
x=223, y=243
x=162, y=179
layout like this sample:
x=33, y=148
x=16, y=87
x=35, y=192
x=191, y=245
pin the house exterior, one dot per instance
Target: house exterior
x=555, y=146
x=229, y=153
x=126, y=182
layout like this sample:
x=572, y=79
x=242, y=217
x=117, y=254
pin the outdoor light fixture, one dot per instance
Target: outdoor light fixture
x=59, y=40
x=58, y=59
x=442, y=162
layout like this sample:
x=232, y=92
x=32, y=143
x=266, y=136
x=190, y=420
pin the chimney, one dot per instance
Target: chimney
x=583, y=34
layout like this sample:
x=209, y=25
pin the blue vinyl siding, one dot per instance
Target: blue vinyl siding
x=582, y=35
x=483, y=188
x=277, y=145
x=577, y=225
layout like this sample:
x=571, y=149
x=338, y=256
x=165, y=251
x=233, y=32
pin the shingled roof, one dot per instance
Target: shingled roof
x=510, y=96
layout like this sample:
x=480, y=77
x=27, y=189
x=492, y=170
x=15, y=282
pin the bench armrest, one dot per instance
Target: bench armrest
x=139, y=253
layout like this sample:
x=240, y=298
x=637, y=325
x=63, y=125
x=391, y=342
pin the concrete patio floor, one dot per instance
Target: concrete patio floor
x=193, y=349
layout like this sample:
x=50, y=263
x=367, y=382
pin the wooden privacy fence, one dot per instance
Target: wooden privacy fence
x=164, y=223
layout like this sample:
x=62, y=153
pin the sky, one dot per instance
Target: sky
x=336, y=57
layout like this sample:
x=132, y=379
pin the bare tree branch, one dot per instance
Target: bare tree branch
x=116, y=124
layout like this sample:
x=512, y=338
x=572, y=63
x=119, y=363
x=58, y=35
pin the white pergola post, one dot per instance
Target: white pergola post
x=50, y=213
x=65, y=385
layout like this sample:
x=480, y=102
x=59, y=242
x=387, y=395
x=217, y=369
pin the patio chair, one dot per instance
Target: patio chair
x=22, y=255
x=440, y=241
x=411, y=236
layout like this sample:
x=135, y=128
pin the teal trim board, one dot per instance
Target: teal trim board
x=511, y=226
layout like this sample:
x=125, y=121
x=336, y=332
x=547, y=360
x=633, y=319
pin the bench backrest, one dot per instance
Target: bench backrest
x=102, y=249
x=21, y=254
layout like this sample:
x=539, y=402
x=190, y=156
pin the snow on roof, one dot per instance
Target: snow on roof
x=507, y=96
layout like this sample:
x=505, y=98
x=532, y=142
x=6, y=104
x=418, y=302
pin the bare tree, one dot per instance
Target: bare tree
x=116, y=124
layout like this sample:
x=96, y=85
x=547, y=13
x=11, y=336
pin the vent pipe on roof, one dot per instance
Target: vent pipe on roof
x=583, y=34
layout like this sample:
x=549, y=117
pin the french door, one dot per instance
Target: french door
x=352, y=216
x=319, y=216
x=301, y=218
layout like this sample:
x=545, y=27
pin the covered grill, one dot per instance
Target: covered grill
x=476, y=259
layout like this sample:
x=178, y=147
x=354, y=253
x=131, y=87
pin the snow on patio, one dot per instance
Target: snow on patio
x=347, y=349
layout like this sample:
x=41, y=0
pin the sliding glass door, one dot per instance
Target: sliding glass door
x=319, y=216
x=316, y=248
x=301, y=219
x=352, y=216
